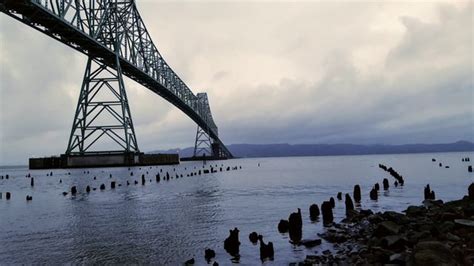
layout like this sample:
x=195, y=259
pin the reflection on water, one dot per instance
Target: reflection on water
x=172, y=221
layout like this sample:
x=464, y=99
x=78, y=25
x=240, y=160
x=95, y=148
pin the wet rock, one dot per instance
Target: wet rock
x=314, y=212
x=375, y=219
x=394, y=242
x=73, y=190
x=334, y=236
x=398, y=259
x=339, y=195
x=266, y=250
x=413, y=211
x=189, y=262
x=386, y=228
x=357, y=194
x=365, y=213
x=452, y=237
x=295, y=226
x=373, y=194
x=253, y=237
x=88, y=189
x=326, y=209
x=385, y=184
x=309, y=243
x=102, y=187
x=432, y=253
x=464, y=222
x=283, y=226
x=209, y=254
x=395, y=217
x=231, y=243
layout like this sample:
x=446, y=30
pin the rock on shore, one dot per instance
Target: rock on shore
x=434, y=234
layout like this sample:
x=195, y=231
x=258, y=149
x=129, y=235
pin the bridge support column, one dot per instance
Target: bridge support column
x=102, y=122
x=202, y=145
x=206, y=147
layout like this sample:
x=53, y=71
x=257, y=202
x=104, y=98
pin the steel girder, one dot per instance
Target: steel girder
x=103, y=29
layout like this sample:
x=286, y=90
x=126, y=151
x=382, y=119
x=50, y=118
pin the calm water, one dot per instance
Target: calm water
x=172, y=221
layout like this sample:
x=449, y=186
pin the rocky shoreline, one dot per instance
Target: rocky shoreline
x=435, y=233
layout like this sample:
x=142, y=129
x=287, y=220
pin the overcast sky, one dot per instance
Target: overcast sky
x=275, y=72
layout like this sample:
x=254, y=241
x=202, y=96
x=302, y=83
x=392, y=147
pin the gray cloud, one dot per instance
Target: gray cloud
x=305, y=72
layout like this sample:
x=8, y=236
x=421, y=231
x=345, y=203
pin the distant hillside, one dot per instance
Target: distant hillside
x=284, y=150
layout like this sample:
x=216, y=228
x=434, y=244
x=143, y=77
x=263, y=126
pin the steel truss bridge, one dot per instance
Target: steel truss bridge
x=114, y=37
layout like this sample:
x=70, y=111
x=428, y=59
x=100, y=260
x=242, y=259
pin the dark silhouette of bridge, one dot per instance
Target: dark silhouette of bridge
x=114, y=37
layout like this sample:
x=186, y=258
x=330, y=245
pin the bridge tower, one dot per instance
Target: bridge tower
x=202, y=145
x=102, y=112
x=205, y=145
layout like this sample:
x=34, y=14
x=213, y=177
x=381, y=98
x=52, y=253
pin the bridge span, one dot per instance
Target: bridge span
x=114, y=37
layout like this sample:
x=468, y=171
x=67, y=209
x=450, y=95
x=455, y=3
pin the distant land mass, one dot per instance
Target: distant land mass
x=288, y=150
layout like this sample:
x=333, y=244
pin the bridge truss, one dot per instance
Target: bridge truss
x=113, y=35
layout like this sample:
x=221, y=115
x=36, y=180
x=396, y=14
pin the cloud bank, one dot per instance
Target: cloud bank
x=275, y=72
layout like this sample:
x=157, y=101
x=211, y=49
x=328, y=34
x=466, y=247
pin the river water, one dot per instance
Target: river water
x=172, y=221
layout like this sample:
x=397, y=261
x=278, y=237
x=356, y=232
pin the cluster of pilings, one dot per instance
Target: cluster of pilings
x=469, y=167
x=159, y=176
x=440, y=164
x=294, y=224
x=393, y=173
x=74, y=190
